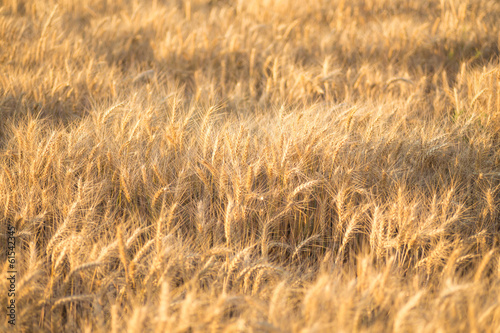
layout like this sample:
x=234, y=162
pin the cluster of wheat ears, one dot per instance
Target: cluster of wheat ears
x=265, y=166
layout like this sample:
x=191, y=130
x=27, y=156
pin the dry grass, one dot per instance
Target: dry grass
x=270, y=165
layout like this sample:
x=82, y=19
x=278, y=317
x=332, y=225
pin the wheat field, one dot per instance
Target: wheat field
x=250, y=166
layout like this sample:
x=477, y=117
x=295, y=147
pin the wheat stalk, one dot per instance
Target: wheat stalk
x=228, y=220
x=123, y=253
x=77, y=298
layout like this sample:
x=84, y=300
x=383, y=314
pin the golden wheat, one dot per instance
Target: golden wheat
x=264, y=165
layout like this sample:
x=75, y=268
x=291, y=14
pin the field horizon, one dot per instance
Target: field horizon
x=261, y=166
